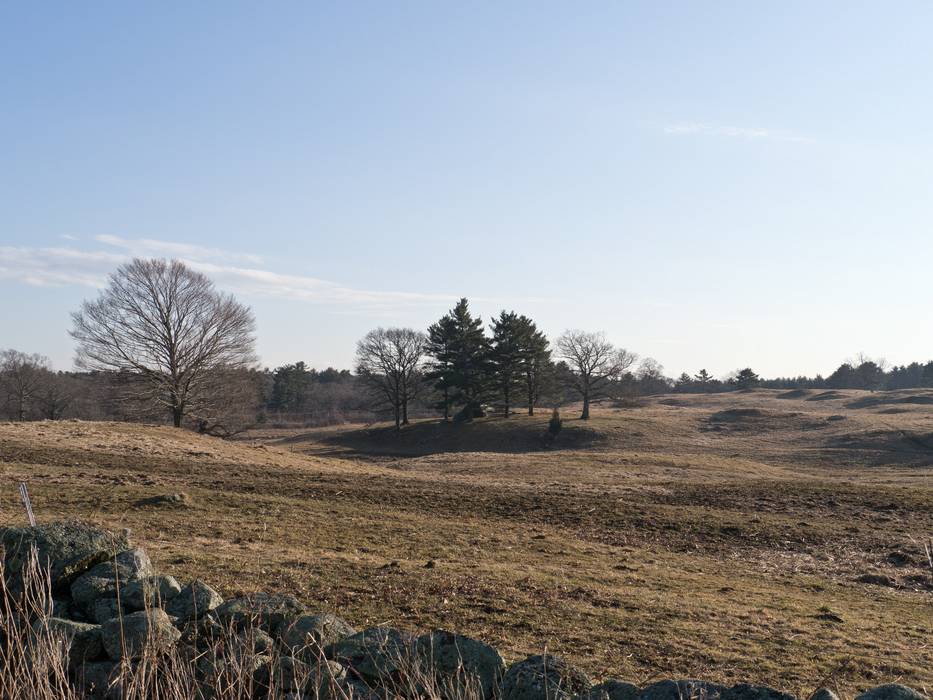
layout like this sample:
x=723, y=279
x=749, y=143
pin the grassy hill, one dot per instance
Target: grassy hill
x=724, y=537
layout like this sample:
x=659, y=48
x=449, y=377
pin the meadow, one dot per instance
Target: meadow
x=765, y=536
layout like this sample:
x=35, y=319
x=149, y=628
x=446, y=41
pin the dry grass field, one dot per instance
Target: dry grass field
x=767, y=536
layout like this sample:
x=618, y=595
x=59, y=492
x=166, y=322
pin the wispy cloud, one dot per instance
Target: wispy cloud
x=739, y=132
x=149, y=246
x=60, y=266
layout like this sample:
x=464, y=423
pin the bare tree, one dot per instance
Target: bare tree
x=56, y=393
x=21, y=378
x=594, y=364
x=388, y=360
x=167, y=325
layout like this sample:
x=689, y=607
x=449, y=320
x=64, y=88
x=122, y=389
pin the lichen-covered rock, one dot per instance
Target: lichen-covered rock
x=151, y=592
x=82, y=641
x=682, y=690
x=375, y=653
x=461, y=662
x=544, y=677
x=891, y=691
x=745, y=691
x=150, y=629
x=125, y=565
x=194, y=601
x=309, y=634
x=104, y=609
x=86, y=589
x=66, y=549
x=268, y=611
x=612, y=690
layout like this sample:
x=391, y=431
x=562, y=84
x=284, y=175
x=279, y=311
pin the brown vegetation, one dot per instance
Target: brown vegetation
x=639, y=544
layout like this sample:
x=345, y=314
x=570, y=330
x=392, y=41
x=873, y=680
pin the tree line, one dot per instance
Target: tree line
x=161, y=344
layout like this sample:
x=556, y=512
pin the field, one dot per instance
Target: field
x=768, y=536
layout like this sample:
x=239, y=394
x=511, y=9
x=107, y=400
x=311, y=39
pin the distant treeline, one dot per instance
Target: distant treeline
x=161, y=344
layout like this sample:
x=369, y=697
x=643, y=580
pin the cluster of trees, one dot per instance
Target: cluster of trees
x=160, y=342
x=460, y=367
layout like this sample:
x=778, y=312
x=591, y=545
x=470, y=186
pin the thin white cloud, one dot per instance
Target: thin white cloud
x=740, y=132
x=142, y=247
x=61, y=266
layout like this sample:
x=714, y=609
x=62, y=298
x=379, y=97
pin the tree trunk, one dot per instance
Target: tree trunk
x=446, y=404
x=177, y=413
x=405, y=412
x=506, y=396
x=586, y=407
x=398, y=418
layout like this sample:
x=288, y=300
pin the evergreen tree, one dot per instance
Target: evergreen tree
x=440, y=370
x=509, y=355
x=291, y=387
x=746, y=379
x=461, y=359
x=539, y=368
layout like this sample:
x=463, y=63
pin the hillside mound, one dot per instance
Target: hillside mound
x=889, y=398
x=494, y=434
x=758, y=420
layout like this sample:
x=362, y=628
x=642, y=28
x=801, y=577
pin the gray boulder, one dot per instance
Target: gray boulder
x=744, y=691
x=891, y=691
x=81, y=641
x=148, y=629
x=193, y=601
x=86, y=589
x=104, y=609
x=461, y=662
x=375, y=654
x=682, y=690
x=612, y=690
x=67, y=549
x=824, y=694
x=150, y=592
x=309, y=634
x=268, y=611
x=544, y=677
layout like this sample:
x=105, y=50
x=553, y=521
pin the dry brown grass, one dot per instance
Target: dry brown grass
x=681, y=538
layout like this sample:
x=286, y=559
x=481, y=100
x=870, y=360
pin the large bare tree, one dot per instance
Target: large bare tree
x=166, y=325
x=21, y=380
x=388, y=360
x=594, y=362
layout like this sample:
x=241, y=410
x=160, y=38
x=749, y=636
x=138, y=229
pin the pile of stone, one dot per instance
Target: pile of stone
x=112, y=608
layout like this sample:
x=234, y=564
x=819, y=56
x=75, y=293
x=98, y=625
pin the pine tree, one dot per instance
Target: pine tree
x=440, y=369
x=509, y=355
x=460, y=353
x=539, y=368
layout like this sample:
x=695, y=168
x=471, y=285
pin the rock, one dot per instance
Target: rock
x=82, y=641
x=290, y=675
x=544, y=677
x=104, y=609
x=824, y=694
x=86, y=589
x=612, y=690
x=891, y=691
x=178, y=500
x=67, y=549
x=153, y=591
x=127, y=565
x=745, y=691
x=461, y=662
x=374, y=654
x=99, y=680
x=256, y=641
x=148, y=629
x=268, y=611
x=193, y=601
x=900, y=559
x=331, y=681
x=307, y=635
x=679, y=690
x=202, y=632
x=62, y=609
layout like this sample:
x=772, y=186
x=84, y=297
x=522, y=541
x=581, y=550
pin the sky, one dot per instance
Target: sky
x=714, y=185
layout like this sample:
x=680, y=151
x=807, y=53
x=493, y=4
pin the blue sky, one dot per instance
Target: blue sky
x=712, y=184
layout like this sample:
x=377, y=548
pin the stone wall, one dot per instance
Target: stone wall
x=112, y=609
